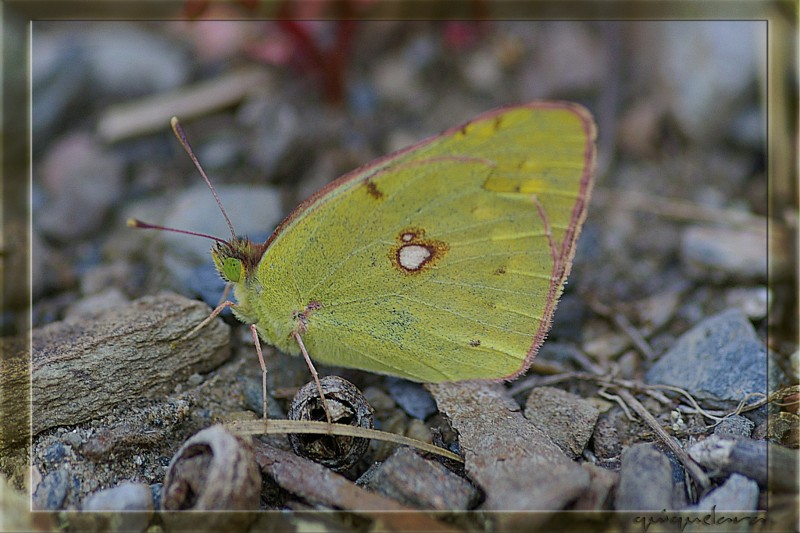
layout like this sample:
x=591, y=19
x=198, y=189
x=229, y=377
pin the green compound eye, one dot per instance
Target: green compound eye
x=232, y=269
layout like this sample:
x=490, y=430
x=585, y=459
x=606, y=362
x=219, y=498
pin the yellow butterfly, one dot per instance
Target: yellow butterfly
x=441, y=262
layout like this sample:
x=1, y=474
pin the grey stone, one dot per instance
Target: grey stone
x=719, y=254
x=83, y=181
x=59, y=78
x=645, y=481
x=716, y=79
x=719, y=361
x=135, y=499
x=124, y=497
x=411, y=397
x=125, y=58
x=52, y=491
x=738, y=493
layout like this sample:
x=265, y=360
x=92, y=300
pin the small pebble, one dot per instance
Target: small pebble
x=605, y=439
x=111, y=298
x=102, y=276
x=753, y=301
x=60, y=78
x=483, y=71
x=397, y=79
x=411, y=397
x=735, y=425
x=396, y=422
x=253, y=400
x=277, y=131
x=128, y=59
x=581, y=61
x=656, y=311
x=55, y=453
x=195, y=380
x=134, y=499
x=794, y=365
x=417, y=429
x=783, y=428
x=73, y=439
x=155, y=490
x=124, y=497
x=382, y=403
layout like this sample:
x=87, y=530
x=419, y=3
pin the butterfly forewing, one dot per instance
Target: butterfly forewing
x=440, y=263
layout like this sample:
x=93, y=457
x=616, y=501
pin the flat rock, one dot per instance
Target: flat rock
x=81, y=368
x=567, y=418
x=518, y=466
x=420, y=483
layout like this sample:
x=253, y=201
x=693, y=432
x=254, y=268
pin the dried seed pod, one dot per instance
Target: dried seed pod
x=347, y=406
x=213, y=470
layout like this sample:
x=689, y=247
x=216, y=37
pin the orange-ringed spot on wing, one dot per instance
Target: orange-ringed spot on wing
x=413, y=253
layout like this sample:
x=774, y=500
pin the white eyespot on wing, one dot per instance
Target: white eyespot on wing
x=413, y=256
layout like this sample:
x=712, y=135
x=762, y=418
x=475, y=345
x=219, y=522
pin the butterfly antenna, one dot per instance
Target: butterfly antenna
x=136, y=223
x=176, y=128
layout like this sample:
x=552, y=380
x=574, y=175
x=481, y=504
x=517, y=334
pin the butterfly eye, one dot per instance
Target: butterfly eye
x=229, y=268
x=232, y=269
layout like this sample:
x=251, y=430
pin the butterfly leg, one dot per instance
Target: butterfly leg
x=257, y=343
x=221, y=307
x=314, y=374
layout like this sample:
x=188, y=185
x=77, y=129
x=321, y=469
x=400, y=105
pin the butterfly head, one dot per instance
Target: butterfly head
x=237, y=259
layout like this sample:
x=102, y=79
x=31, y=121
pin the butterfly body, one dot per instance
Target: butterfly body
x=441, y=262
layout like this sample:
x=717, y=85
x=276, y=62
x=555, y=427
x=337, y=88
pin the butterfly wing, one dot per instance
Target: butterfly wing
x=441, y=262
